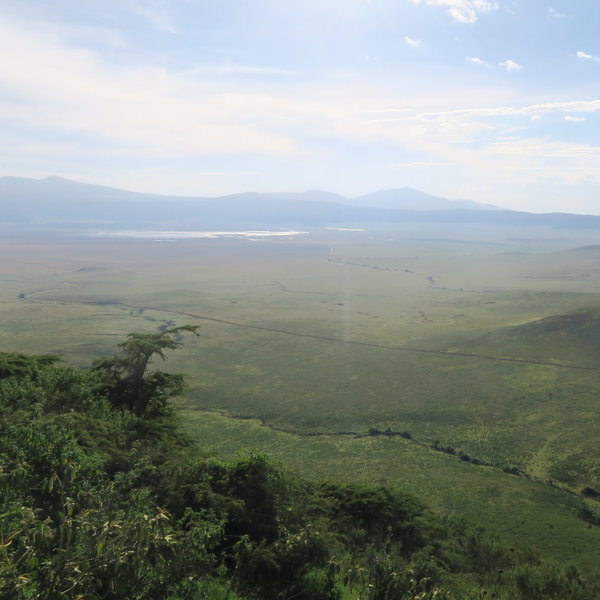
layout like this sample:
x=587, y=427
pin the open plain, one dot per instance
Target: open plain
x=462, y=367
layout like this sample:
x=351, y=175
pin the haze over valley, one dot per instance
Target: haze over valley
x=57, y=204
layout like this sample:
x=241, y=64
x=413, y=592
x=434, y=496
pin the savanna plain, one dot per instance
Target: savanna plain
x=460, y=366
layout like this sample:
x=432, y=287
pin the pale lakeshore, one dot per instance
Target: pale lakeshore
x=181, y=235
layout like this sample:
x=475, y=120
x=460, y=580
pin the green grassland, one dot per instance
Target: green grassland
x=323, y=334
x=521, y=510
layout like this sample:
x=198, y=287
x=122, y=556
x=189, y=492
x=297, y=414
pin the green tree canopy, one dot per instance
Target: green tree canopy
x=127, y=381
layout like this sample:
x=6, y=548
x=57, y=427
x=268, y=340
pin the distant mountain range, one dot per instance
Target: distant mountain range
x=55, y=204
x=405, y=198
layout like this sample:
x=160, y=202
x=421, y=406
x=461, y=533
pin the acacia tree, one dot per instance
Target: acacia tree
x=126, y=380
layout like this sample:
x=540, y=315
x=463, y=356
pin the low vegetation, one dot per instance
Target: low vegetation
x=104, y=498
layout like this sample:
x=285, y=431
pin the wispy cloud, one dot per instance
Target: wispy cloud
x=233, y=69
x=156, y=12
x=410, y=41
x=464, y=11
x=475, y=60
x=421, y=164
x=586, y=56
x=87, y=36
x=256, y=115
x=510, y=65
x=503, y=149
x=555, y=13
x=137, y=110
x=586, y=106
x=391, y=110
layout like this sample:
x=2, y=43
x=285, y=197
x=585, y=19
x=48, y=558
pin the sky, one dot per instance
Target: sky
x=496, y=101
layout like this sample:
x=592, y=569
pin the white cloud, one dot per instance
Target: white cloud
x=474, y=60
x=146, y=110
x=421, y=164
x=585, y=106
x=555, y=13
x=63, y=93
x=504, y=151
x=464, y=11
x=410, y=41
x=574, y=119
x=89, y=36
x=391, y=110
x=585, y=56
x=510, y=65
x=232, y=68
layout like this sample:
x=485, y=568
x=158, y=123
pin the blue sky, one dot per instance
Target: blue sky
x=493, y=101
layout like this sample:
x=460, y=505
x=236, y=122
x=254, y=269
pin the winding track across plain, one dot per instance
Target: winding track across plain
x=328, y=338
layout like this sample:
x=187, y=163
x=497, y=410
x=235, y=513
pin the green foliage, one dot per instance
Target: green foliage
x=21, y=365
x=554, y=582
x=366, y=515
x=127, y=382
x=104, y=501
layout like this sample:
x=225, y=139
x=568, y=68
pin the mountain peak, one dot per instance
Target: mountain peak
x=61, y=204
x=407, y=198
